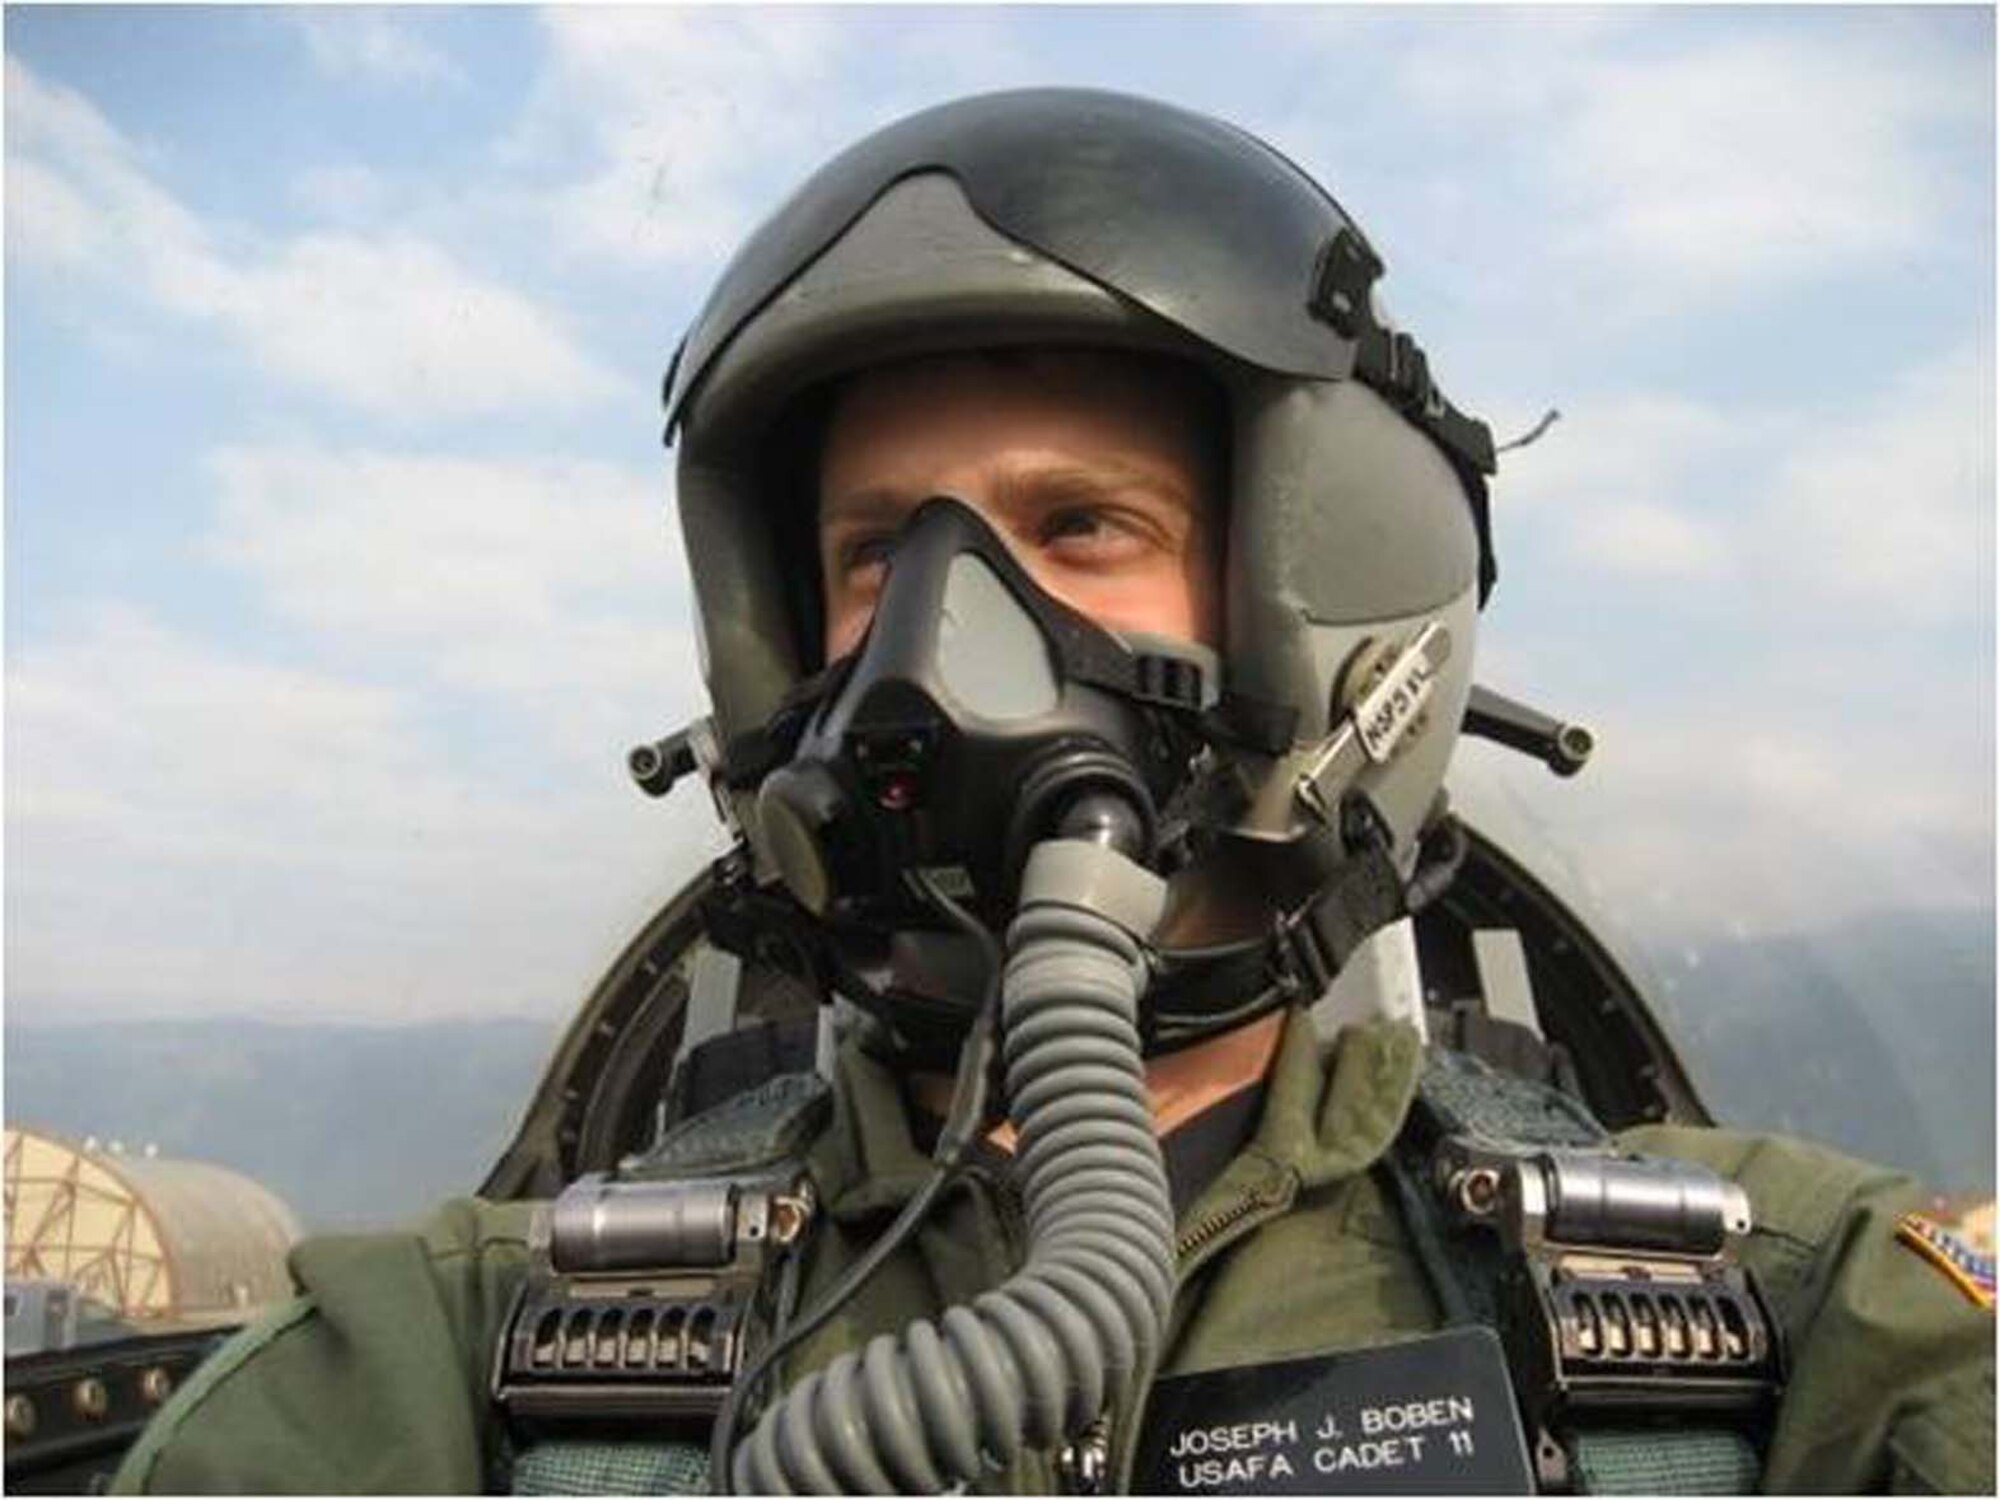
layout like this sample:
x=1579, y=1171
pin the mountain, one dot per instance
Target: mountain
x=1876, y=1037
x=352, y=1126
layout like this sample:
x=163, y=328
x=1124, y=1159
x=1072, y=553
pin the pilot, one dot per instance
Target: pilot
x=1088, y=575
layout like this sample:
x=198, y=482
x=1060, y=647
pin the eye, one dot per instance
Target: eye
x=1091, y=537
x=1075, y=521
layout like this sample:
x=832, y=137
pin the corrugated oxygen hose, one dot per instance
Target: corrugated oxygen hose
x=1037, y=1359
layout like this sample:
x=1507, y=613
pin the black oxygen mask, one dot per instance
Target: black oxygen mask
x=978, y=717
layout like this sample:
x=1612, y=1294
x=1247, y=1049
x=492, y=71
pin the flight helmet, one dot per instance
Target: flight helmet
x=1356, y=496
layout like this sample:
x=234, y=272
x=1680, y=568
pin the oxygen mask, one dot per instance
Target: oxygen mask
x=978, y=717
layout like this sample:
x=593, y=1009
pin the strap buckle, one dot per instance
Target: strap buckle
x=1386, y=358
x=1622, y=1289
x=644, y=1299
x=1312, y=944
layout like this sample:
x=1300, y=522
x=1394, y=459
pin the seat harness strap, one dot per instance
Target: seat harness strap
x=648, y=1290
x=1643, y=1354
x=558, y=1466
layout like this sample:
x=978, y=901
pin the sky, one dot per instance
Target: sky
x=341, y=561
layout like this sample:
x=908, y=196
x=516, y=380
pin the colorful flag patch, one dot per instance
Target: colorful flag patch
x=1970, y=1271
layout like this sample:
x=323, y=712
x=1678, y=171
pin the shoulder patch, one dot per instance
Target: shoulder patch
x=1969, y=1270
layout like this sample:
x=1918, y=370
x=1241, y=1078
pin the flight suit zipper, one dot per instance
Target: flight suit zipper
x=1080, y=1465
x=1198, y=1244
x=1197, y=1238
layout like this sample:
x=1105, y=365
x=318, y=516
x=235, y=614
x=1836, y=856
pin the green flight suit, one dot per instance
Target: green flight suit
x=375, y=1378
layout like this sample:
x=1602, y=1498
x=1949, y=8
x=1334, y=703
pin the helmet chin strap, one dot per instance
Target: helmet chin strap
x=909, y=982
x=1201, y=992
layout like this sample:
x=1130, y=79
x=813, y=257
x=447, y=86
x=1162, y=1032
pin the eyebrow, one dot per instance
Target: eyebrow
x=1101, y=479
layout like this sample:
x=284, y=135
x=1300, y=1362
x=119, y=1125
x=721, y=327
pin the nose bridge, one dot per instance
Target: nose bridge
x=981, y=488
x=913, y=594
x=987, y=489
x=988, y=481
x=981, y=485
x=997, y=487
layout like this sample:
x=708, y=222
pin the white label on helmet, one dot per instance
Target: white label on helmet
x=1384, y=717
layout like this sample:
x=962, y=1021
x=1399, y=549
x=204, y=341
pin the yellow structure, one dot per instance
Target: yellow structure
x=151, y=1237
x=1975, y=1226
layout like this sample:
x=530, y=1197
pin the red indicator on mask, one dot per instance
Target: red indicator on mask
x=897, y=791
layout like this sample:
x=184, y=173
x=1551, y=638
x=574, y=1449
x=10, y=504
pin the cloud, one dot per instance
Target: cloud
x=413, y=544
x=91, y=202
x=1633, y=446
x=1616, y=481
x=680, y=116
x=418, y=806
x=1650, y=539
x=46, y=219
x=1894, y=511
x=1739, y=813
x=654, y=138
x=1790, y=742
x=191, y=828
x=224, y=729
x=556, y=588
x=372, y=46
x=1883, y=502
x=395, y=326
x=409, y=799
x=391, y=325
x=1749, y=158
x=342, y=193
x=1656, y=162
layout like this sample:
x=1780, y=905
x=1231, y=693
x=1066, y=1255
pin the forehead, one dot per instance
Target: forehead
x=961, y=408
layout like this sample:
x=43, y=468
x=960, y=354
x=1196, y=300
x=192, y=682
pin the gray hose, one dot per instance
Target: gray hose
x=1039, y=1358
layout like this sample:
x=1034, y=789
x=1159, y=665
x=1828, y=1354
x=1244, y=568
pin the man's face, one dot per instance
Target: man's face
x=1099, y=471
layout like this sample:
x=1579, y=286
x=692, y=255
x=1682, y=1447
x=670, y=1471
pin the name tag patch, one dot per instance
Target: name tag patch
x=1431, y=1416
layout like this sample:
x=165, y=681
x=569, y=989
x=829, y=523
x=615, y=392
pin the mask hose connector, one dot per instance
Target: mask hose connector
x=1104, y=818
x=1036, y=1360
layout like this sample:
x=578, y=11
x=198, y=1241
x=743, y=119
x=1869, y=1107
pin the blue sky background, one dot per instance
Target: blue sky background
x=340, y=564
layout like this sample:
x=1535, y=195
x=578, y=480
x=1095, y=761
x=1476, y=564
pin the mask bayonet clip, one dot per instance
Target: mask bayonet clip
x=1370, y=732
